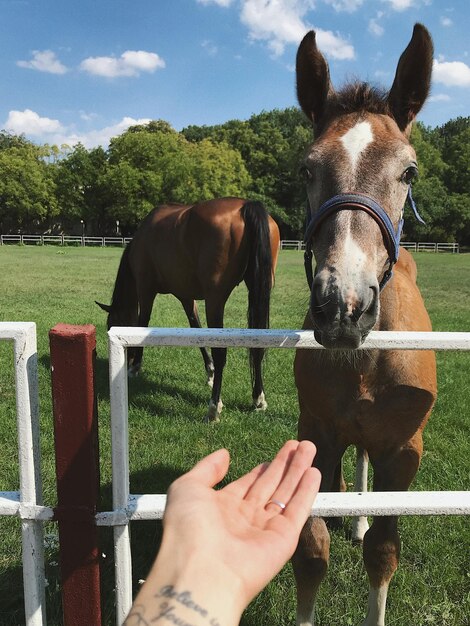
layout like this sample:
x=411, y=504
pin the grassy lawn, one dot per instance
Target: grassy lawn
x=49, y=285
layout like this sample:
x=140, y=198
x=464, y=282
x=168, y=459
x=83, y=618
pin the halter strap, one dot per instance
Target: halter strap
x=356, y=201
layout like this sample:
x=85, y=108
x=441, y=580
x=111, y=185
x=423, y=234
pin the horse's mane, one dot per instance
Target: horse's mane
x=124, y=293
x=357, y=97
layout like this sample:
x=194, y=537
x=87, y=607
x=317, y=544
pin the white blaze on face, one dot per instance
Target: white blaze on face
x=350, y=265
x=356, y=140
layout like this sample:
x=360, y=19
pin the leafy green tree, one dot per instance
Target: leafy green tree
x=27, y=188
x=150, y=168
x=457, y=156
x=271, y=145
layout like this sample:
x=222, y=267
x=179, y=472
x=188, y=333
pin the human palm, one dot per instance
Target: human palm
x=245, y=537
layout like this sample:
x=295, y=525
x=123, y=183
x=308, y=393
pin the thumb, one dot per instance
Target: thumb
x=211, y=469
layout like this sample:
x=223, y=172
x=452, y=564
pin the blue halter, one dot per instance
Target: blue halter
x=357, y=201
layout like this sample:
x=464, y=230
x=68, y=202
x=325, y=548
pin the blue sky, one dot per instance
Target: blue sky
x=85, y=70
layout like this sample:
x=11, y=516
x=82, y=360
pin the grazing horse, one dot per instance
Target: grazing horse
x=200, y=252
x=359, y=171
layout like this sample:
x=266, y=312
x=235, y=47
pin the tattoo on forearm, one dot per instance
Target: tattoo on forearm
x=171, y=601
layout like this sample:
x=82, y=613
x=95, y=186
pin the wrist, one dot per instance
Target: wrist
x=188, y=590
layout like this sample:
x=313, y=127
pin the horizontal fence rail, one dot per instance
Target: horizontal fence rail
x=103, y=242
x=415, y=246
x=26, y=503
x=152, y=506
x=63, y=240
x=130, y=507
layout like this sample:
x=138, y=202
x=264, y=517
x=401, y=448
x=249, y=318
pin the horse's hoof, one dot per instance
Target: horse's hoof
x=260, y=403
x=214, y=411
x=360, y=526
x=133, y=370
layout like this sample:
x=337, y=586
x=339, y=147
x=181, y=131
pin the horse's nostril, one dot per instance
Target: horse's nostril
x=373, y=298
x=318, y=301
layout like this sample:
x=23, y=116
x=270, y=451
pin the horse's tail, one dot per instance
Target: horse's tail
x=259, y=271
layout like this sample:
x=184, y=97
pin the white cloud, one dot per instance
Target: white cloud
x=44, y=61
x=280, y=22
x=375, y=28
x=210, y=47
x=334, y=45
x=440, y=97
x=451, y=73
x=345, y=5
x=87, y=117
x=130, y=63
x=46, y=130
x=98, y=137
x=446, y=21
x=221, y=3
x=381, y=74
x=30, y=123
x=400, y=5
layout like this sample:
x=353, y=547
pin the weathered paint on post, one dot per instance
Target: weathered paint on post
x=73, y=353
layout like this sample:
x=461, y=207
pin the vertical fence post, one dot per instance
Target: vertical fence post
x=73, y=353
x=27, y=409
x=120, y=451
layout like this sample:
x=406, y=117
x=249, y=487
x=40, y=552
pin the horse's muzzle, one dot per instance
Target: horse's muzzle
x=342, y=322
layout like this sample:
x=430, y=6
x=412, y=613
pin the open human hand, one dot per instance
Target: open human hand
x=241, y=528
x=221, y=547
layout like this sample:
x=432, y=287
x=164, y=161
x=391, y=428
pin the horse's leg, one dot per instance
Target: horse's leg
x=393, y=471
x=259, y=400
x=190, y=308
x=134, y=357
x=215, y=319
x=360, y=525
x=310, y=561
x=337, y=485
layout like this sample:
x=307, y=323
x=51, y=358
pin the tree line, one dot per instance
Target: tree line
x=45, y=188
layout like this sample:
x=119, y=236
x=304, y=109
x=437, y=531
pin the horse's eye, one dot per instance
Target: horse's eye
x=409, y=174
x=306, y=173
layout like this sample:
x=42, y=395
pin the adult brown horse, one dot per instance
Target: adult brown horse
x=200, y=252
x=359, y=170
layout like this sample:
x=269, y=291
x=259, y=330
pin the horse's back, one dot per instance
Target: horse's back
x=193, y=250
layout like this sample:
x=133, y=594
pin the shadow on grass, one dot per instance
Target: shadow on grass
x=145, y=540
x=152, y=395
x=145, y=535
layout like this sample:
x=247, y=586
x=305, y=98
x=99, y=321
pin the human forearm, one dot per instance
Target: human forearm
x=186, y=595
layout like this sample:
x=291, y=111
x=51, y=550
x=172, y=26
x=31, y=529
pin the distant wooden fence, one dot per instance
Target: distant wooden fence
x=103, y=242
x=415, y=246
x=63, y=240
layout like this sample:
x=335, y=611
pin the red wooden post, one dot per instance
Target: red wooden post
x=73, y=353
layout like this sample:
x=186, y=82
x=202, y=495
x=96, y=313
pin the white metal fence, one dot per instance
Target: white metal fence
x=129, y=507
x=26, y=502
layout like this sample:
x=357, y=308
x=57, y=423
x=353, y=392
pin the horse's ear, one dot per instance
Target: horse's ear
x=412, y=79
x=105, y=307
x=313, y=78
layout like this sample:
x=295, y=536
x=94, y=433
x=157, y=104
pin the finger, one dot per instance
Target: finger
x=242, y=485
x=211, y=469
x=263, y=488
x=300, y=461
x=300, y=505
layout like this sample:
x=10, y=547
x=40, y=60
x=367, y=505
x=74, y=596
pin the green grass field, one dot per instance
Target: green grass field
x=49, y=285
